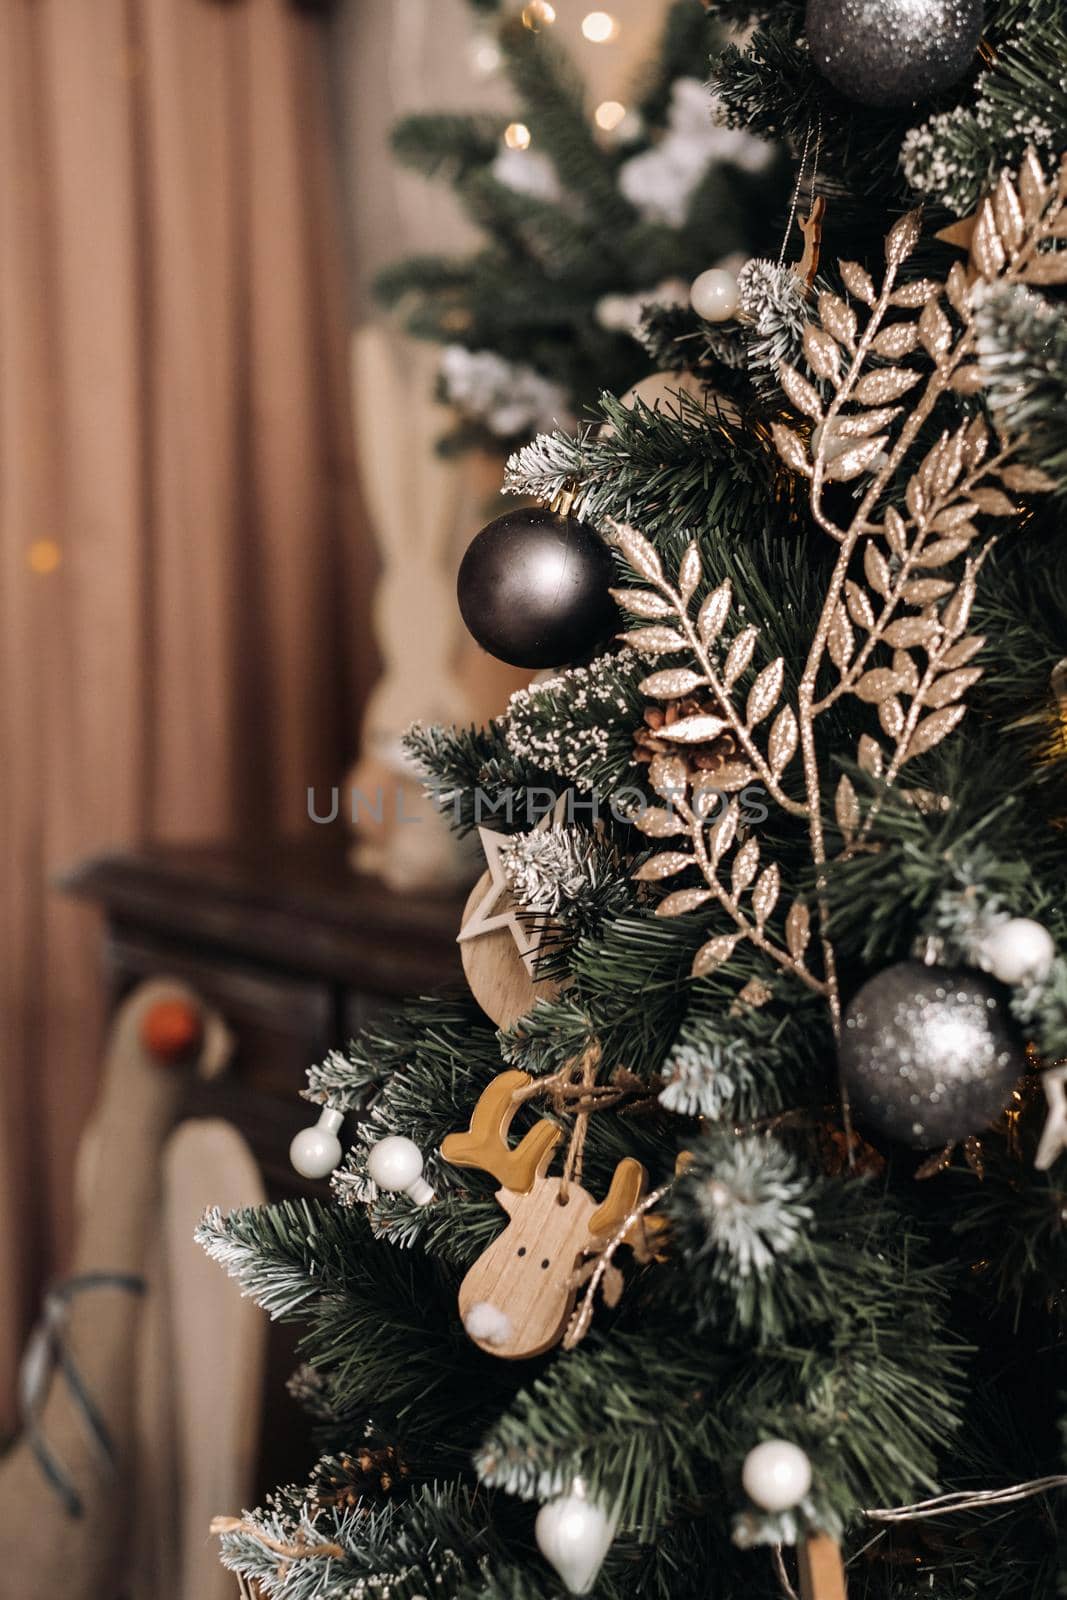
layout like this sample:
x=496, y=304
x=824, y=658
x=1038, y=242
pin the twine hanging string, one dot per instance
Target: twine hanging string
x=579, y=1323
x=815, y=159
x=811, y=225
x=796, y=197
x=799, y=185
x=574, y=1091
x=294, y=1550
x=781, y=1574
x=582, y=1076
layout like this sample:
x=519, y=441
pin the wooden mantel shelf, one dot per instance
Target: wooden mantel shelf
x=292, y=903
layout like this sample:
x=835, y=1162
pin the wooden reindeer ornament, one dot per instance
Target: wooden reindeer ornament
x=517, y=1298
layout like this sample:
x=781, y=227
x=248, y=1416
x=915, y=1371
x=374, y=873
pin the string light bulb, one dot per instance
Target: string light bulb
x=537, y=15
x=395, y=1165
x=517, y=136
x=599, y=27
x=316, y=1151
x=43, y=557
x=608, y=115
x=485, y=55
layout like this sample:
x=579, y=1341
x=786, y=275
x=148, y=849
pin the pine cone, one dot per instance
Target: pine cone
x=655, y=737
x=351, y=1481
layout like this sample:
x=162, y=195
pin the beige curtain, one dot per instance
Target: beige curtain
x=181, y=593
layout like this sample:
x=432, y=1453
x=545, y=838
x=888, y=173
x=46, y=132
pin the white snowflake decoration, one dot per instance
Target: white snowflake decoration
x=509, y=397
x=660, y=182
x=623, y=313
x=527, y=172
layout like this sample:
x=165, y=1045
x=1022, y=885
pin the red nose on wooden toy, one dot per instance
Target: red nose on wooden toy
x=517, y=1298
x=171, y=1031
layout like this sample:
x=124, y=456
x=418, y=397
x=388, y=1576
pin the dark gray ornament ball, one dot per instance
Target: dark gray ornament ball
x=533, y=588
x=929, y=1055
x=893, y=52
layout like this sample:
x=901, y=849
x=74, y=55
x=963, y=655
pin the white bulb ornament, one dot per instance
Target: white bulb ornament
x=316, y=1151
x=395, y=1164
x=714, y=295
x=776, y=1475
x=1017, y=951
x=574, y=1535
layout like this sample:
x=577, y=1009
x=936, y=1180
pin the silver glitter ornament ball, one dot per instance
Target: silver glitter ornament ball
x=893, y=52
x=929, y=1055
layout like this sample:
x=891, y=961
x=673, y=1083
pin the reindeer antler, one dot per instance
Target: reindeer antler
x=627, y=1187
x=646, y=1235
x=485, y=1144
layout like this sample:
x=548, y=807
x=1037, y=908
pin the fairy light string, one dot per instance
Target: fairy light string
x=966, y=1500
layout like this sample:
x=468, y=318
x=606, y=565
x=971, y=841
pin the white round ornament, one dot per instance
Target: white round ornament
x=316, y=1151
x=776, y=1475
x=615, y=312
x=622, y=313
x=714, y=295
x=574, y=1536
x=1017, y=951
x=395, y=1164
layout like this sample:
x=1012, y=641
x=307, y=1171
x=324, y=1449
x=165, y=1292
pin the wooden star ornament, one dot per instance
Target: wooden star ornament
x=497, y=907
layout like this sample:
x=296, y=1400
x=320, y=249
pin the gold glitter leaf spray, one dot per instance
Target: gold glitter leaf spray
x=894, y=623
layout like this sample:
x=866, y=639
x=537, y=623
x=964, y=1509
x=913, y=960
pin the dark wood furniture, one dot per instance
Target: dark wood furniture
x=297, y=954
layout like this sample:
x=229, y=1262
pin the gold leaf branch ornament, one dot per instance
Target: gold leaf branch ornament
x=893, y=627
x=766, y=735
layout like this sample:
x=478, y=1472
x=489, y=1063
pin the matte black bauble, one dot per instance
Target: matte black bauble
x=533, y=588
x=893, y=52
x=929, y=1055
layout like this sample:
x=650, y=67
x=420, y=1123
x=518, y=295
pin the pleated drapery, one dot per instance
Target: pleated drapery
x=183, y=564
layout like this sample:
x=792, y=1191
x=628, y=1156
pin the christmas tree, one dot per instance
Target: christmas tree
x=715, y=1244
x=584, y=226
